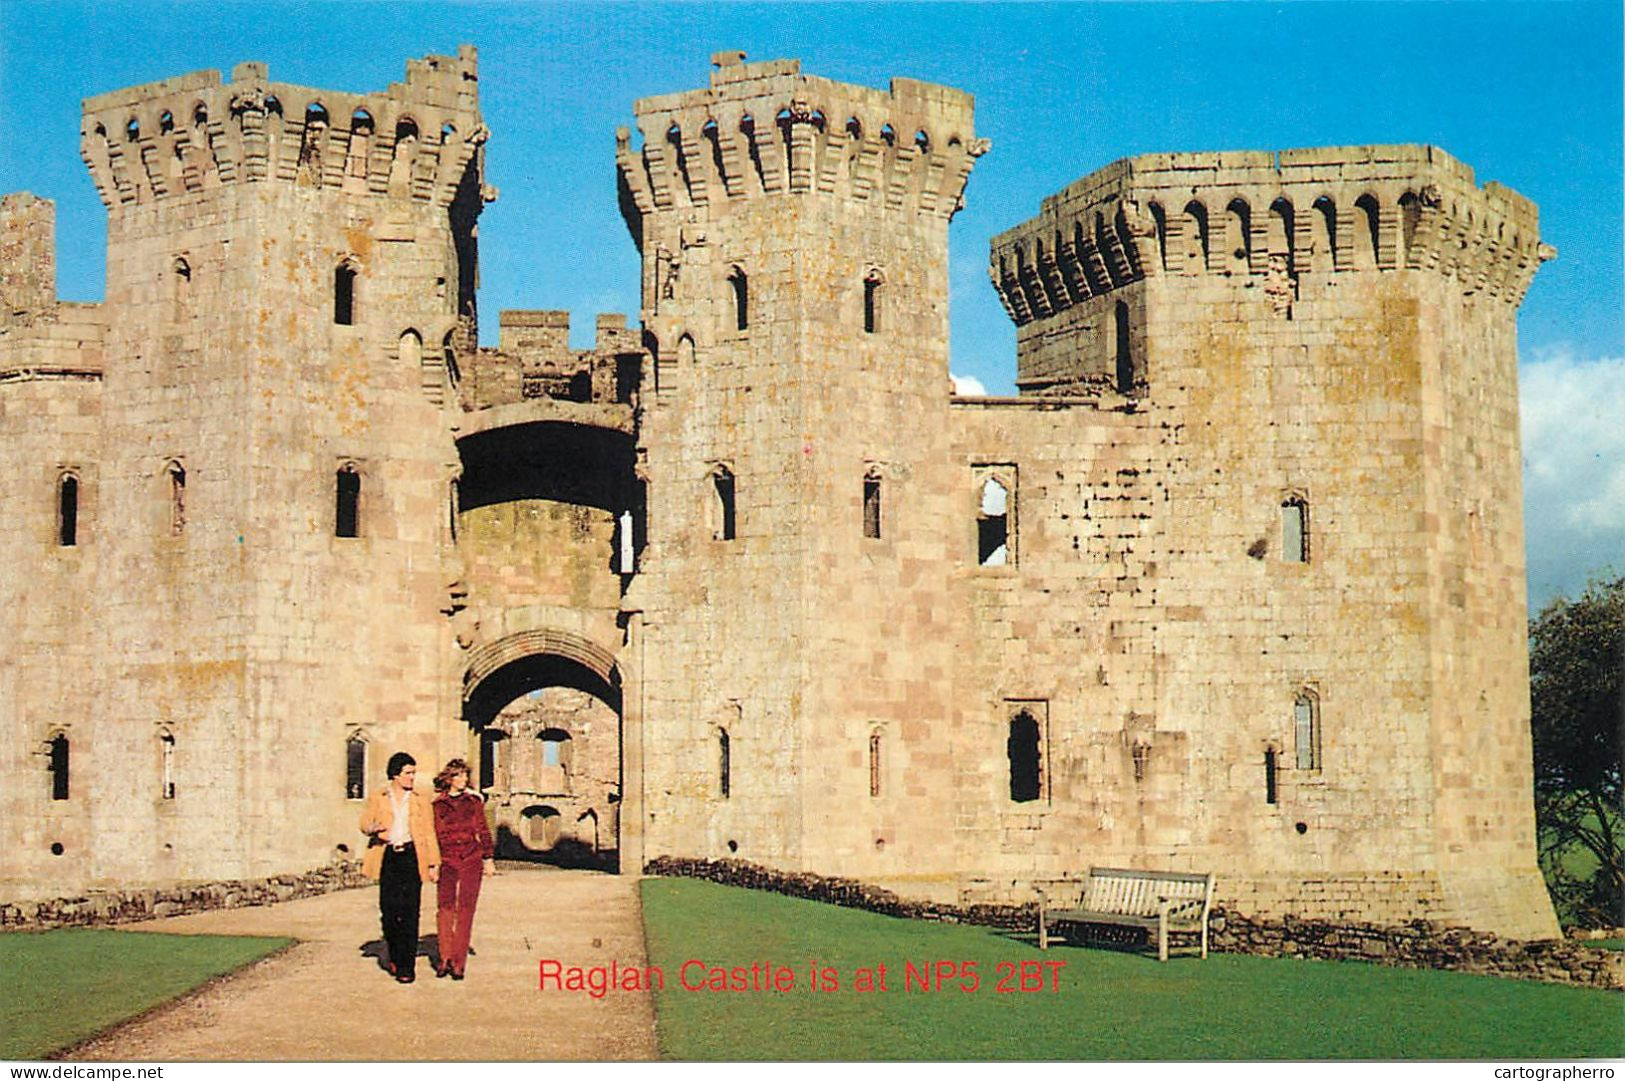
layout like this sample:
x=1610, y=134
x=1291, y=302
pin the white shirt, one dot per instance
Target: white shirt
x=400, y=827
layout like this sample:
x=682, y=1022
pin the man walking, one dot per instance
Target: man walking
x=402, y=851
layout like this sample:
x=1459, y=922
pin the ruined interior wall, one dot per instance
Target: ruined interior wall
x=1054, y=631
x=541, y=552
x=583, y=787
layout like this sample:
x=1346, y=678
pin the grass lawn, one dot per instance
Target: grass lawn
x=1110, y=1005
x=61, y=987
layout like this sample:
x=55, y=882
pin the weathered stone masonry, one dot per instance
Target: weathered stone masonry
x=1234, y=584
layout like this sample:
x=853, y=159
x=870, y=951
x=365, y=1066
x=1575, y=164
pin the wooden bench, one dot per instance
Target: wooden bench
x=1165, y=900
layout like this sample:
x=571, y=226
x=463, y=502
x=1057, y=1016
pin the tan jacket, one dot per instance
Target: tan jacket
x=379, y=815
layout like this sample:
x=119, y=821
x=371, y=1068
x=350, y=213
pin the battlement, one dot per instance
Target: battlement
x=194, y=133
x=1256, y=213
x=533, y=359
x=764, y=129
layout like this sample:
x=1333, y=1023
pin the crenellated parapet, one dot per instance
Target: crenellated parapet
x=1271, y=216
x=765, y=130
x=416, y=140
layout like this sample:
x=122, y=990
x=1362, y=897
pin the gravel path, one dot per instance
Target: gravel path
x=327, y=997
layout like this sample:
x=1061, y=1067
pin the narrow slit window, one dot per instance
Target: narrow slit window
x=993, y=525
x=871, y=507
x=59, y=766
x=871, y=304
x=724, y=764
x=1295, y=531
x=347, y=498
x=355, y=768
x=723, y=499
x=1270, y=791
x=740, y=285
x=874, y=764
x=1306, y=730
x=1125, y=351
x=166, y=751
x=1022, y=747
x=344, y=295
x=177, y=499
x=67, y=511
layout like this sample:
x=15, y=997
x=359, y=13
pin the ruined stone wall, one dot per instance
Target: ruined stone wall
x=558, y=786
x=547, y=474
x=548, y=519
x=27, y=257
x=801, y=638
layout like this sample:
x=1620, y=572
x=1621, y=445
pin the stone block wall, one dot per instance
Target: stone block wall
x=793, y=233
x=1289, y=332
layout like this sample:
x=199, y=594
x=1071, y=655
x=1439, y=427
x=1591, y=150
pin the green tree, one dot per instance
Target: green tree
x=1576, y=657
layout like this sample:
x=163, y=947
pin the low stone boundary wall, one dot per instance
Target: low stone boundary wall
x=845, y=892
x=1420, y=944
x=103, y=907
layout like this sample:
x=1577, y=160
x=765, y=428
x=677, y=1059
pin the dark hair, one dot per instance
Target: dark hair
x=397, y=762
x=442, y=780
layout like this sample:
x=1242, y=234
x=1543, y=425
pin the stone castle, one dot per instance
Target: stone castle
x=1235, y=584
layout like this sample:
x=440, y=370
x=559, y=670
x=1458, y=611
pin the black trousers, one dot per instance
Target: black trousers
x=400, y=894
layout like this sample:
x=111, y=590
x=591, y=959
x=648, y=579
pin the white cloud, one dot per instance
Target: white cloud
x=1573, y=422
x=968, y=386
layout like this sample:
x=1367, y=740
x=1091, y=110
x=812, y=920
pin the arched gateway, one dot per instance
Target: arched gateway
x=545, y=709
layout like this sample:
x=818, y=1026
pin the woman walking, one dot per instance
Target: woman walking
x=465, y=856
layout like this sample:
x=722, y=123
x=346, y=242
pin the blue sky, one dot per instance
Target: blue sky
x=1528, y=94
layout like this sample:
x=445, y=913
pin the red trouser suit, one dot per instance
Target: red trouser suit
x=465, y=842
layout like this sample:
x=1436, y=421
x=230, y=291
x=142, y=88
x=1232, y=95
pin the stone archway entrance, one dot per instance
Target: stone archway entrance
x=544, y=711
